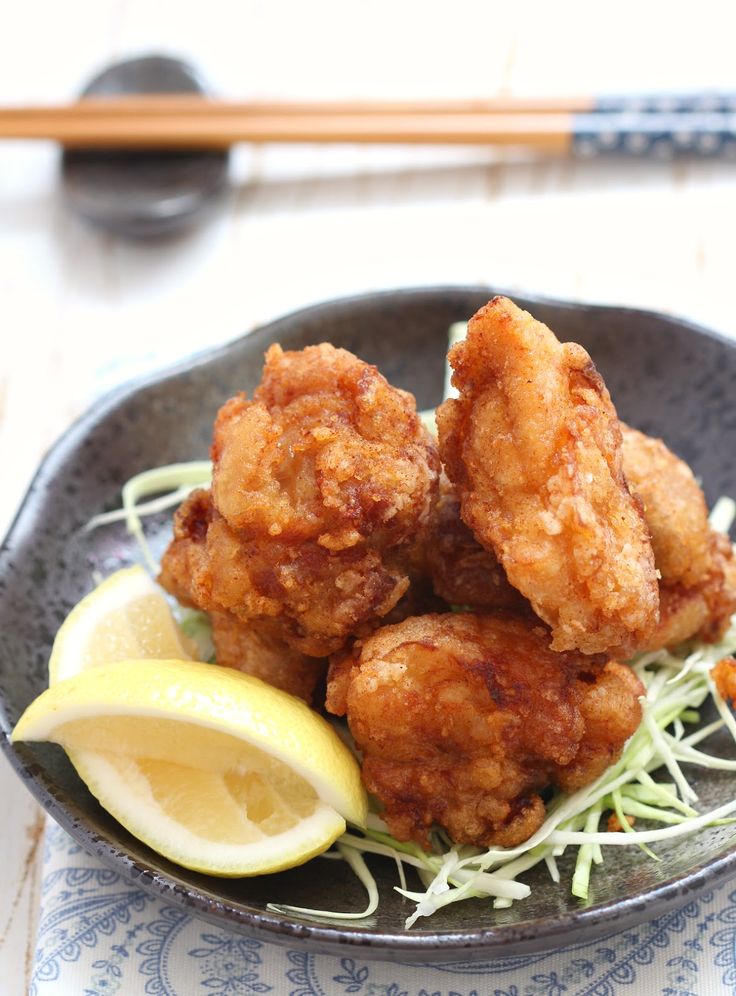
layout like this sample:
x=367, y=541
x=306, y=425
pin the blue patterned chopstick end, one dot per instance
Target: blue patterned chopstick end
x=655, y=135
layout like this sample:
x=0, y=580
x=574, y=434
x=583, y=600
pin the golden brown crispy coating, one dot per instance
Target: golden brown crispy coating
x=533, y=446
x=184, y=563
x=720, y=588
x=724, y=675
x=258, y=650
x=326, y=451
x=254, y=648
x=462, y=572
x=697, y=591
x=674, y=508
x=698, y=586
x=702, y=611
x=463, y=719
x=320, y=484
x=419, y=599
x=611, y=713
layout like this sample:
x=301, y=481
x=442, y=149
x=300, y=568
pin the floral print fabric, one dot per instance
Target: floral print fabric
x=99, y=936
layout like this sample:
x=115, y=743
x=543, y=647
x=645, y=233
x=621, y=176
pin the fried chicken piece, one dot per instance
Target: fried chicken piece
x=697, y=591
x=420, y=598
x=533, y=446
x=320, y=484
x=258, y=650
x=698, y=575
x=462, y=572
x=253, y=648
x=184, y=563
x=702, y=611
x=674, y=508
x=462, y=720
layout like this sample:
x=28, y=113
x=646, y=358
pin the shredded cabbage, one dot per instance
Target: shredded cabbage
x=171, y=484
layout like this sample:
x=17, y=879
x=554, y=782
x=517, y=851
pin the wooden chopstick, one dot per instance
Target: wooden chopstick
x=164, y=103
x=173, y=122
x=158, y=103
x=221, y=128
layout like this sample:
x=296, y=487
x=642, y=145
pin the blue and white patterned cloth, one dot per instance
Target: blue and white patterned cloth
x=98, y=935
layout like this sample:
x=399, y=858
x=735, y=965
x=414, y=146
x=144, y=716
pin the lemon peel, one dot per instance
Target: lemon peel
x=125, y=617
x=213, y=768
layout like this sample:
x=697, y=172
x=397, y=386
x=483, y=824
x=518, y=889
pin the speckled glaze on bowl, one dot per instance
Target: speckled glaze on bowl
x=666, y=376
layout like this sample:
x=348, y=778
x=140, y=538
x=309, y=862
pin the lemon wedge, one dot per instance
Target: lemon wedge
x=212, y=768
x=126, y=617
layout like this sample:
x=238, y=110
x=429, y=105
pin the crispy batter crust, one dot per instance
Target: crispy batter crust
x=703, y=610
x=321, y=483
x=674, y=508
x=463, y=719
x=461, y=571
x=533, y=446
x=255, y=648
x=259, y=650
x=697, y=590
x=724, y=675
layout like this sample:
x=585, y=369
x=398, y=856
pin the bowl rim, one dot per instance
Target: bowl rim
x=418, y=945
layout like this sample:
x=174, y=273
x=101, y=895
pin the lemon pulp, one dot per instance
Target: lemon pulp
x=210, y=767
x=126, y=617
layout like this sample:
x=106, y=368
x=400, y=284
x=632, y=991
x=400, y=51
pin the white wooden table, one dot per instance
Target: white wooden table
x=81, y=312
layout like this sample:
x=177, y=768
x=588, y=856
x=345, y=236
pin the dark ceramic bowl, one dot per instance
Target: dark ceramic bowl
x=667, y=377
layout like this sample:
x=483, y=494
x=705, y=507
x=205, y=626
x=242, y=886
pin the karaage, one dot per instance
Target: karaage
x=697, y=589
x=463, y=719
x=572, y=537
x=674, y=507
x=702, y=611
x=697, y=586
x=256, y=647
x=533, y=446
x=461, y=571
x=321, y=482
